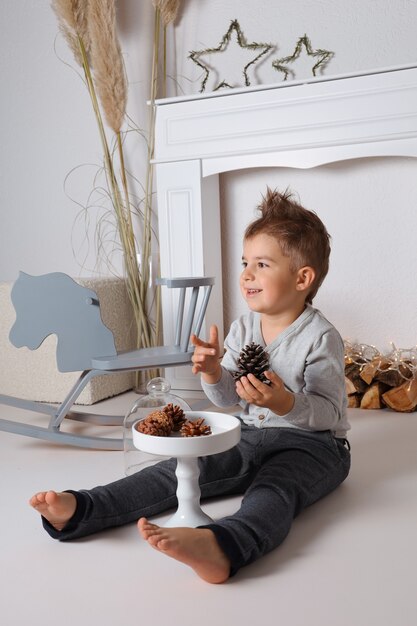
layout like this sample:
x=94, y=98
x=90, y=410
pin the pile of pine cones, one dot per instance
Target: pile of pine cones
x=170, y=419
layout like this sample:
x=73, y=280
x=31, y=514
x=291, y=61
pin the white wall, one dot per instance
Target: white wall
x=50, y=145
x=369, y=208
x=47, y=129
x=363, y=35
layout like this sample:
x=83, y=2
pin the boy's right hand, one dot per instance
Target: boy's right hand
x=206, y=357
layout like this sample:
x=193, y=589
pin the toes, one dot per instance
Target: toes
x=50, y=497
x=142, y=522
x=163, y=544
x=153, y=540
x=159, y=542
x=146, y=527
x=37, y=499
x=151, y=533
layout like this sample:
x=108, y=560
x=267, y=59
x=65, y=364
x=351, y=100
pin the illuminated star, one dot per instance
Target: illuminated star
x=234, y=29
x=322, y=57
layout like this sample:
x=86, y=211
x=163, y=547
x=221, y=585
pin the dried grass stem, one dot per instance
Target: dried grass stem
x=168, y=9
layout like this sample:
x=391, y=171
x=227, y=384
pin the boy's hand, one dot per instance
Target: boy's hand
x=274, y=396
x=206, y=357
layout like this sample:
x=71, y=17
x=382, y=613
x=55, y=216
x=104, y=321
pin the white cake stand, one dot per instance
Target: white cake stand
x=225, y=433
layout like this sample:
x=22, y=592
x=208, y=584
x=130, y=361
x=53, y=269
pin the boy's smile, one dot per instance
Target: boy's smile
x=251, y=292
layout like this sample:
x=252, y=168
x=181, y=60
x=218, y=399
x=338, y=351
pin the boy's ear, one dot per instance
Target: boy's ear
x=305, y=278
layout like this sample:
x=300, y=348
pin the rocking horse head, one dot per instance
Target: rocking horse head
x=56, y=304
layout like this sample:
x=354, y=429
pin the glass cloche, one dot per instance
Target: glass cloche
x=157, y=397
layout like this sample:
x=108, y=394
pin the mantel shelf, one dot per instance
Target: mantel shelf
x=359, y=116
x=282, y=85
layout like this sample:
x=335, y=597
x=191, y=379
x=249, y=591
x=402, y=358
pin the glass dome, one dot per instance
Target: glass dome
x=158, y=396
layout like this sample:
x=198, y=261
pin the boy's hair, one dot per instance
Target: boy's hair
x=300, y=233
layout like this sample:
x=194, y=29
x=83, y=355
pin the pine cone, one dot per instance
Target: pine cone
x=195, y=428
x=157, y=423
x=253, y=360
x=176, y=414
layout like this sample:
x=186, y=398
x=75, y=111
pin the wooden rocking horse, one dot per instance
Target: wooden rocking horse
x=56, y=304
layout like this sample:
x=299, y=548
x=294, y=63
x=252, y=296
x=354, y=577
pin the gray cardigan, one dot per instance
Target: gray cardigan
x=308, y=356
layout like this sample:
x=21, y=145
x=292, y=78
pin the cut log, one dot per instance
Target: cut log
x=354, y=401
x=353, y=369
x=352, y=372
x=370, y=371
x=371, y=399
x=394, y=378
x=350, y=387
x=402, y=398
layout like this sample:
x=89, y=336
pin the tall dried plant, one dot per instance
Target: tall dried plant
x=89, y=27
x=72, y=23
x=168, y=9
x=107, y=62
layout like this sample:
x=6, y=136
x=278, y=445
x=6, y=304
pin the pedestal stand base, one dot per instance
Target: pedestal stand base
x=189, y=512
x=225, y=434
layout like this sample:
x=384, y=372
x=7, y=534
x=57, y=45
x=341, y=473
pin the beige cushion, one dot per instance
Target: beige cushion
x=33, y=375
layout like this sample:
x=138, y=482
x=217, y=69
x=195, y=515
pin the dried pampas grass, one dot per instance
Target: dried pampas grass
x=72, y=20
x=89, y=27
x=168, y=9
x=107, y=61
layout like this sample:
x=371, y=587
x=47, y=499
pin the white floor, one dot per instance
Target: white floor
x=349, y=560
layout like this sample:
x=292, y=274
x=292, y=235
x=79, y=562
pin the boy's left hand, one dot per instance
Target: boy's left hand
x=274, y=396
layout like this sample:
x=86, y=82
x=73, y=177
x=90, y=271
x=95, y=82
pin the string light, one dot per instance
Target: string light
x=400, y=360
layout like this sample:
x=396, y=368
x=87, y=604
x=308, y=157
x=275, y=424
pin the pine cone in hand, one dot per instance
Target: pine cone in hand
x=176, y=414
x=195, y=428
x=253, y=360
x=157, y=423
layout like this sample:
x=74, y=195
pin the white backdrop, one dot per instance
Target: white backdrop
x=369, y=208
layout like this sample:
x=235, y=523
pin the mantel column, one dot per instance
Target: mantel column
x=189, y=244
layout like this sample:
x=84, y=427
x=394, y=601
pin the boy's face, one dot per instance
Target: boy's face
x=267, y=283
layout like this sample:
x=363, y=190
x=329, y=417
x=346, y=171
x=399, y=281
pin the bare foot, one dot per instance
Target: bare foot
x=196, y=547
x=57, y=508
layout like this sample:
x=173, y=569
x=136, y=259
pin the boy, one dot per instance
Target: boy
x=293, y=449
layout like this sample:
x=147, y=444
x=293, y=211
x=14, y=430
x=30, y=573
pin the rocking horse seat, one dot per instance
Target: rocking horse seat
x=148, y=358
x=56, y=304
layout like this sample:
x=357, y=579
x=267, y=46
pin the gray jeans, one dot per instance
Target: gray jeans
x=279, y=472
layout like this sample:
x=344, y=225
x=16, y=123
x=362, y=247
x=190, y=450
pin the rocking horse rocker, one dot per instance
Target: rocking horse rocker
x=56, y=304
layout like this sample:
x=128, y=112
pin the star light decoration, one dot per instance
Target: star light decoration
x=234, y=28
x=323, y=57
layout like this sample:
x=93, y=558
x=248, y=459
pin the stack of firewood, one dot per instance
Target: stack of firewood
x=380, y=383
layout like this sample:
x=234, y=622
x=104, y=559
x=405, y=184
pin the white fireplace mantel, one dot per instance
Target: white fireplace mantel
x=299, y=125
